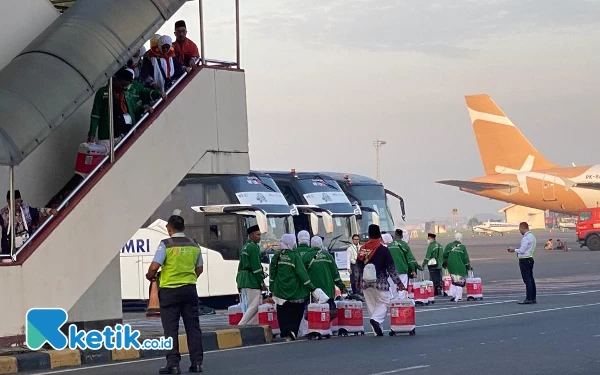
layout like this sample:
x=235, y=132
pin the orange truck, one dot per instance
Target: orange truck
x=588, y=229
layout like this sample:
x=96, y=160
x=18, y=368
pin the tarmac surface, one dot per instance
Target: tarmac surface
x=558, y=335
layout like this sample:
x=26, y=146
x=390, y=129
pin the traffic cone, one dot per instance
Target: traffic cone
x=153, y=309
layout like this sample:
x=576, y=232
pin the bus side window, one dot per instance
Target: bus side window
x=225, y=236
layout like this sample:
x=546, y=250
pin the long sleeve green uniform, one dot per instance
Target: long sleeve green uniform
x=436, y=251
x=250, y=272
x=99, y=121
x=302, y=249
x=413, y=265
x=458, y=258
x=288, y=278
x=323, y=271
x=404, y=260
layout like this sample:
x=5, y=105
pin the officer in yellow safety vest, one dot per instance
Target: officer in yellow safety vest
x=181, y=261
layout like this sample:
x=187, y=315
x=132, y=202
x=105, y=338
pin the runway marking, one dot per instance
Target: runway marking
x=162, y=358
x=508, y=315
x=401, y=370
x=466, y=306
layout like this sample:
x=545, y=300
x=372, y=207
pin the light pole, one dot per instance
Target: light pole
x=378, y=145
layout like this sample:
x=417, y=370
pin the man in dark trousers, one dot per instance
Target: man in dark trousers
x=180, y=260
x=525, y=255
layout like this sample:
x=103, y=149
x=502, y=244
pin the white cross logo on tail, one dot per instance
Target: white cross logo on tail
x=521, y=177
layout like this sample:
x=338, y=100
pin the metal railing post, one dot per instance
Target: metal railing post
x=237, y=32
x=201, y=15
x=111, y=123
x=12, y=211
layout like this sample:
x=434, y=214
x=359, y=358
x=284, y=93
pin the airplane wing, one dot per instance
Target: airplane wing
x=475, y=186
x=588, y=185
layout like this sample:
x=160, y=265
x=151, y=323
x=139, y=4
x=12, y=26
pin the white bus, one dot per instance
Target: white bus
x=217, y=210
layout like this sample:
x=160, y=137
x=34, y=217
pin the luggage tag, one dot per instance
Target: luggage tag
x=127, y=119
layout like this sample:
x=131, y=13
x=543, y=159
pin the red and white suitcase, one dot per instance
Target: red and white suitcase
x=420, y=291
x=89, y=156
x=267, y=316
x=447, y=282
x=402, y=316
x=235, y=314
x=410, y=289
x=335, y=321
x=319, y=321
x=474, y=290
x=430, y=291
x=350, y=318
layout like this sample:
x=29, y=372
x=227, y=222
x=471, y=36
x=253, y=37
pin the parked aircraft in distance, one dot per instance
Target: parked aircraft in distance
x=515, y=172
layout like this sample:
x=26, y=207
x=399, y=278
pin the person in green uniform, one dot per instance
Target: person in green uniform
x=303, y=243
x=180, y=261
x=433, y=260
x=456, y=261
x=322, y=268
x=405, y=263
x=126, y=111
x=250, y=277
x=291, y=286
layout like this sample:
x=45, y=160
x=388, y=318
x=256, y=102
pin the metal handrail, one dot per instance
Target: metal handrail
x=110, y=156
x=107, y=158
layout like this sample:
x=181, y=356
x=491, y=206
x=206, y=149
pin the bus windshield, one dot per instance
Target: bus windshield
x=343, y=227
x=375, y=198
x=278, y=226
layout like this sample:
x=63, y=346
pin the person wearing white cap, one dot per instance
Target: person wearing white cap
x=161, y=69
x=456, y=260
x=291, y=286
x=303, y=243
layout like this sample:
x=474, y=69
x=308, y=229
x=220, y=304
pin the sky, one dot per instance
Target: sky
x=326, y=78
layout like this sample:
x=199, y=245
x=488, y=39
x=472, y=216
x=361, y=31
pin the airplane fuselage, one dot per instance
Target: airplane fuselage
x=549, y=189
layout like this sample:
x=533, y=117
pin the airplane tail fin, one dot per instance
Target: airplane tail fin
x=501, y=144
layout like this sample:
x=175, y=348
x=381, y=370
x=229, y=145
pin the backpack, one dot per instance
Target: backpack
x=370, y=273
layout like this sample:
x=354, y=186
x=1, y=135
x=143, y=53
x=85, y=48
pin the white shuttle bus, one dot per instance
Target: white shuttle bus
x=217, y=209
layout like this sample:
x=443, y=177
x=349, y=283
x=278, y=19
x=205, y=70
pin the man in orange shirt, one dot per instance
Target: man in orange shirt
x=186, y=51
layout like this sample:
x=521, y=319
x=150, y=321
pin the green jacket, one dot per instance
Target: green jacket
x=323, y=271
x=404, y=260
x=99, y=121
x=436, y=251
x=288, y=279
x=457, y=257
x=250, y=272
x=302, y=249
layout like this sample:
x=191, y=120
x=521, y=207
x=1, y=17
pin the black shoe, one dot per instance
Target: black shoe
x=526, y=302
x=376, y=328
x=195, y=368
x=170, y=370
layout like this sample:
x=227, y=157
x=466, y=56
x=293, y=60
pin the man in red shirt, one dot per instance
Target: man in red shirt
x=186, y=51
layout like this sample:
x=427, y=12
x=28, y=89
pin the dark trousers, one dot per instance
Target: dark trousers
x=436, y=276
x=526, y=266
x=353, y=269
x=181, y=302
x=289, y=316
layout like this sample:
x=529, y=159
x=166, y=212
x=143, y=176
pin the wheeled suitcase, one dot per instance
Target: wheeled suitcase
x=235, y=314
x=319, y=321
x=267, y=316
x=447, y=282
x=350, y=318
x=89, y=156
x=421, y=294
x=402, y=316
x=474, y=290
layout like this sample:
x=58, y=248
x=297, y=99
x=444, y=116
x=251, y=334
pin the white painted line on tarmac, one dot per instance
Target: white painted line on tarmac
x=160, y=358
x=465, y=306
x=401, y=370
x=508, y=315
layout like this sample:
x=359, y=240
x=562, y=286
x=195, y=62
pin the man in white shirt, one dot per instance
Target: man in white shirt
x=352, y=253
x=525, y=255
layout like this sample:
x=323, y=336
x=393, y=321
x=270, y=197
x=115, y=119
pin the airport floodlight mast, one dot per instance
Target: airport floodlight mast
x=378, y=145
